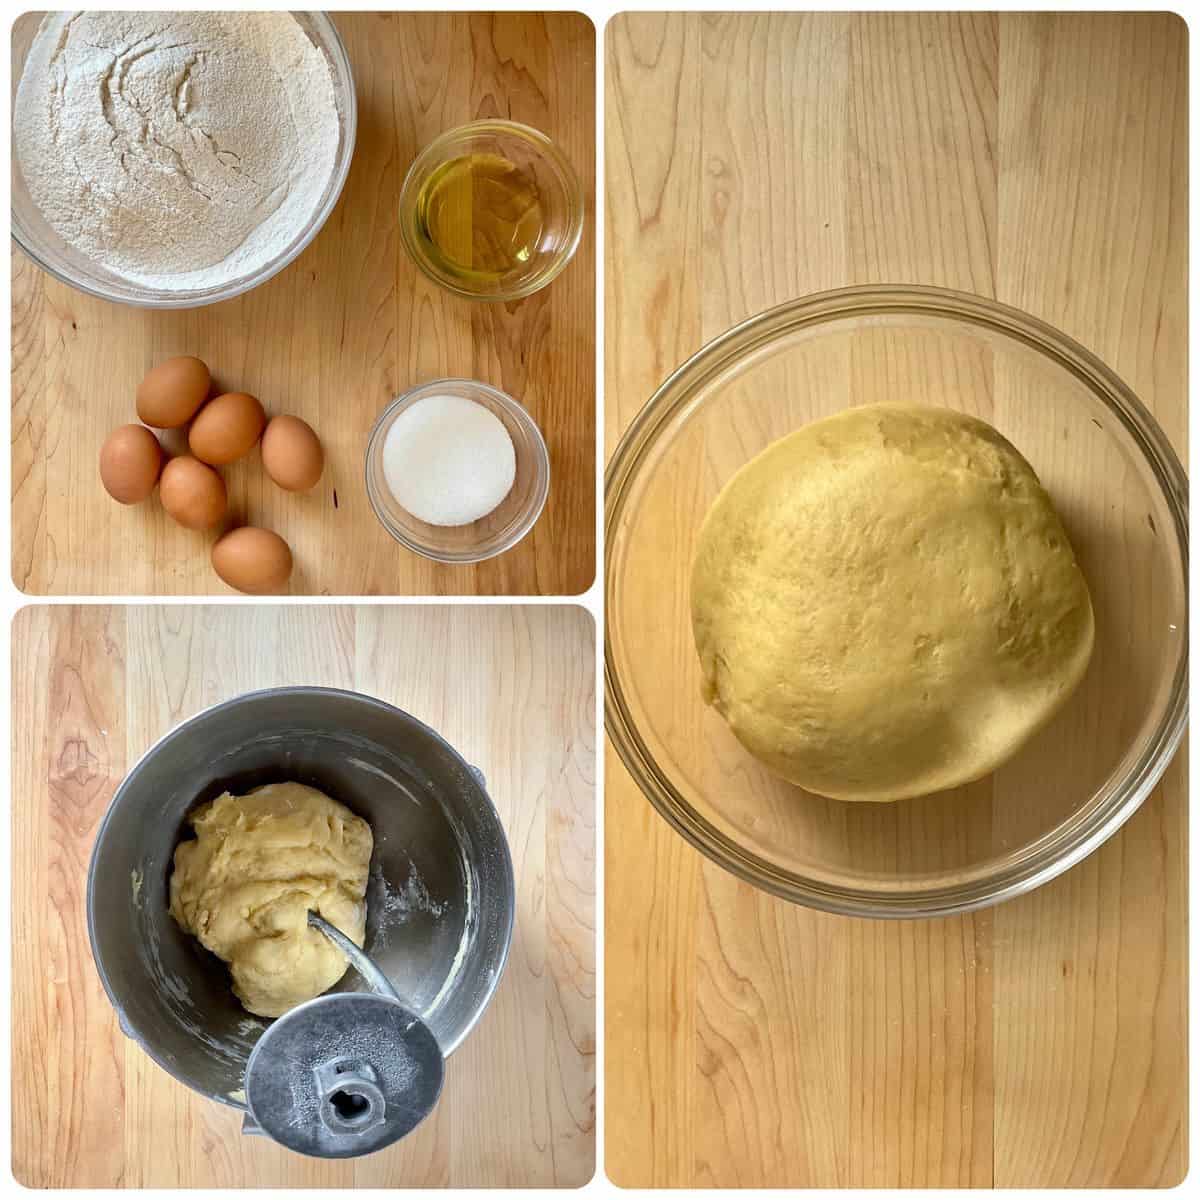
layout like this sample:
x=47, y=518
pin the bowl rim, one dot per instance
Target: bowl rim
x=181, y=730
x=460, y=386
x=437, y=148
x=1117, y=800
x=340, y=65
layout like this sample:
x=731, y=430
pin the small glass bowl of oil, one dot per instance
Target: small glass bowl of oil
x=491, y=210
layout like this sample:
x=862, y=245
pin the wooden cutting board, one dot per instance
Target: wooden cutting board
x=512, y=688
x=333, y=338
x=1040, y=160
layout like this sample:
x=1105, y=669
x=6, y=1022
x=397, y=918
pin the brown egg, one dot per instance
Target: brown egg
x=192, y=493
x=226, y=428
x=173, y=392
x=292, y=454
x=253, y=560
x=130, y=461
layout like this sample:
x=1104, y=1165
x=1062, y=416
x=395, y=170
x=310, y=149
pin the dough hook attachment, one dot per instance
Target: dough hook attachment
x=347, y=1073
x=359, y=959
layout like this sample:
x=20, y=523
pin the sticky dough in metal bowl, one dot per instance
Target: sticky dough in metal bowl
x=245, y=884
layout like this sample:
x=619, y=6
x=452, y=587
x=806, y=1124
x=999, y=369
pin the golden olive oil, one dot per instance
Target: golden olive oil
x=483, y=216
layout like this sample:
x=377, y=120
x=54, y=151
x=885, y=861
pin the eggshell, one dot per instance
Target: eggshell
x=292, y=454
x=226, y=428
x=192, y=493
x=172, y=393
x=130, y=462
x=253, y=560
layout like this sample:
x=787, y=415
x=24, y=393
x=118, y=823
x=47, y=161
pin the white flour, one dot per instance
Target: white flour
x=179, y=150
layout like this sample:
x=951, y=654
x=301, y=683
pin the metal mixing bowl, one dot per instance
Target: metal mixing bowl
x=440, y=900
x=35, y=236
x=1119, y=489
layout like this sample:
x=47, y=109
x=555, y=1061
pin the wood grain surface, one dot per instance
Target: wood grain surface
x=511, y=687
x=1040, y=160
x=333, y=338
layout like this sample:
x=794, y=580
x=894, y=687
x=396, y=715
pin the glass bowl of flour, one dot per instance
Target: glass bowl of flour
x=172, y=160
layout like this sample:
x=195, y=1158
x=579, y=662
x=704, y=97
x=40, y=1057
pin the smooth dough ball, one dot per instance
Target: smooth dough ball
x=885, y=604
x=244, y=887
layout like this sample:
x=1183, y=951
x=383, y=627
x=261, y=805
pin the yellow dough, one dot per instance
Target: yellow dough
x=885, y=604
x=245, y=884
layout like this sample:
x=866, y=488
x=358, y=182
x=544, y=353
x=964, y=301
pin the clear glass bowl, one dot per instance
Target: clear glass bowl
x=505, y=525
x=65, y=263
x=1122, y=495
x=559, y=192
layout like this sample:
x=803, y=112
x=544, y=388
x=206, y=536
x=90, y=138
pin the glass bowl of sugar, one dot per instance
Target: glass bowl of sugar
x=457, y=471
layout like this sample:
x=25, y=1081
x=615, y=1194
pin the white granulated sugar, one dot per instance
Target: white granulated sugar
x=179, y=150
x=448, y=460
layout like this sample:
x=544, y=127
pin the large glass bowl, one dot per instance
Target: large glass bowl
x=1122, y=495
x=35, y=236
